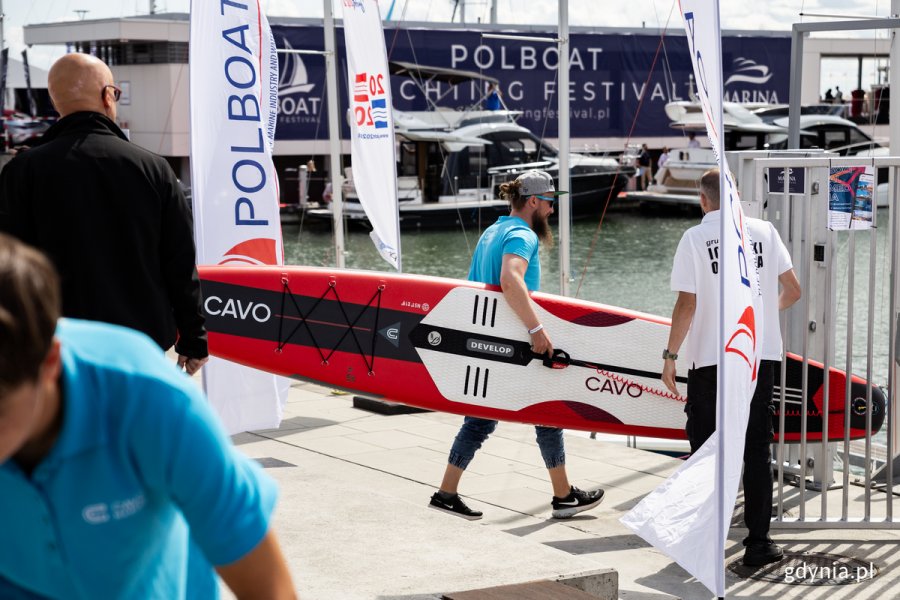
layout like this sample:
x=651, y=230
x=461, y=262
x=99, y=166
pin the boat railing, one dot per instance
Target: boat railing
x=519, y=167
x=691, y=155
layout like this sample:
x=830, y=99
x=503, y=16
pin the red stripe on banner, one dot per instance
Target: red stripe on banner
x=360, y=98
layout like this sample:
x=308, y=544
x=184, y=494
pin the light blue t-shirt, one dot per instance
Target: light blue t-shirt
x=509, y=235
x=140, y=461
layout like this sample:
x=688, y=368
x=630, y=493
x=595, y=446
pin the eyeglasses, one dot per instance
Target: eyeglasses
x=546, y=198
x=117, y=93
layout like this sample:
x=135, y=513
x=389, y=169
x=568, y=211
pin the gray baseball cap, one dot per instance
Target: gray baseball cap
x=537, y=183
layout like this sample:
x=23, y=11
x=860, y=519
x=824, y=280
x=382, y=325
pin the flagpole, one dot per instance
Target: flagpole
x=565, y=202
x=721, y=528
x=334, y=137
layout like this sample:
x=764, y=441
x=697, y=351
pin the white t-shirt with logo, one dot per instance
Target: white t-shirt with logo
x=695, y=270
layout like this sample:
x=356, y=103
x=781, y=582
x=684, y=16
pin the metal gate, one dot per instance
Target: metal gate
x=847, y=319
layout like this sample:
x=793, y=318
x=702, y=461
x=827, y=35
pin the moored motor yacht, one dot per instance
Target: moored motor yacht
x=450, y=163
x=676, y=184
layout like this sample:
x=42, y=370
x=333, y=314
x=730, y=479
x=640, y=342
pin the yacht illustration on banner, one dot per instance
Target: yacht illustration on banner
x=749, y=71
x=293, y=78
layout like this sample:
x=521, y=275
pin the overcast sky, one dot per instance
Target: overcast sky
x=736, y=14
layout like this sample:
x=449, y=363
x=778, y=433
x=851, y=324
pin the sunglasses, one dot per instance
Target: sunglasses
x=117, y=93
x=547, y=198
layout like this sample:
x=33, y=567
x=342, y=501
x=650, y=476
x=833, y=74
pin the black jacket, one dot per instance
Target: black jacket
x=113, y=218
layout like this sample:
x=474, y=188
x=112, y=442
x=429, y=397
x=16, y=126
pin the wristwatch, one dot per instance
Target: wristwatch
x=667, y=355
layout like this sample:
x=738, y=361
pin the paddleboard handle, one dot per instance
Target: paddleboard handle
x=559, y=360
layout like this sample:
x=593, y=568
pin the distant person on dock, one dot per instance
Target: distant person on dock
x=507, y=256
x=695, y=317
x=644, y=164
x=117, y=479
x=838, y=95
x=493, y=101
x=663, y=158
x=829, y=96
x=110, y=215
x=692, y=140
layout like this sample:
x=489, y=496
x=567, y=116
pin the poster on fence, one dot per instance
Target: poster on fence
x=850, y=198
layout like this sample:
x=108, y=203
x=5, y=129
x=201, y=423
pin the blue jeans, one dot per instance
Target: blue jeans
x=475, y=431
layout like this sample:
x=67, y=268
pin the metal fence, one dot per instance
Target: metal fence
x=847, y=321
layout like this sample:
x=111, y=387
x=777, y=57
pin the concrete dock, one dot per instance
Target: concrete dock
x=354, y=521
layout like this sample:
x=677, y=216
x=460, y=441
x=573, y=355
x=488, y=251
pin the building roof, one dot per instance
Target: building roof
x=175, y=27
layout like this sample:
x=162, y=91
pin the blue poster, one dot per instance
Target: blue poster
x=619, y=83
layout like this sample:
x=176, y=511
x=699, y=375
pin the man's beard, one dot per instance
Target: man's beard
x=540, y=225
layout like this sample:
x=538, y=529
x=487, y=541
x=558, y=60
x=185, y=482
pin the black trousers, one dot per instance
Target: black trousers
x=758, y=476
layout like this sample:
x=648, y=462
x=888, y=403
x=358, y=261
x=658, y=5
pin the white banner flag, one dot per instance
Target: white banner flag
x=372, y=125
x=234, y=83
x=693, y=507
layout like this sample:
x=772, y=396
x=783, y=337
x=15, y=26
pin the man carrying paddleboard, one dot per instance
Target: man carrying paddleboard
x=507, y=255
x=695, y=278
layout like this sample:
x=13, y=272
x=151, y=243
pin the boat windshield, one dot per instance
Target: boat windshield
x=836, y=138
x=516, y=148
x=468, y=168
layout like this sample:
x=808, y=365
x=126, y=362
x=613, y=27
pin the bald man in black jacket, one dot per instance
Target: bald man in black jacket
x=110, y=215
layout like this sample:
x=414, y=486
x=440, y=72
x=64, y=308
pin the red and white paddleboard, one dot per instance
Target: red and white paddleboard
x=456, y=346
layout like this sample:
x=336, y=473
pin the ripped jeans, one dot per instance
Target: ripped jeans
x=475, y=431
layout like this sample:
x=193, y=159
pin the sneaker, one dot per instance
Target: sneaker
x=577, y=501
x=454, y=506
x=759, y=554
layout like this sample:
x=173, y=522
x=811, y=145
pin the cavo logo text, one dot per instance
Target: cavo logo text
x=237, y=309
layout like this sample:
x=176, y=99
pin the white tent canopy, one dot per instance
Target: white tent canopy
x=15, y=76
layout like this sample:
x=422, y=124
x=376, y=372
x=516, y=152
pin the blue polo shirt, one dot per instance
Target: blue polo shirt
x=140, y=477
x=509, y=235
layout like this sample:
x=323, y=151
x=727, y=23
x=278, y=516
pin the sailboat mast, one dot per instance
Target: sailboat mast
x=334, y=137
x=565, y=201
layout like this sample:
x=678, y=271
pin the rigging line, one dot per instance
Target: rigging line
x=547, y=115
x=26, y=21
x=637, y=113
x=667, y=66
x=440, y=147
x=397, y=29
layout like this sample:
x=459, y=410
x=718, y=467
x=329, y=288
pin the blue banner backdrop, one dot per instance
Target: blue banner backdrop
x=608, y=75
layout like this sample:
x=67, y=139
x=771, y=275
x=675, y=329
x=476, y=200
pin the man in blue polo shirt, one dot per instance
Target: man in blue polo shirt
x=116, y=480
x=507, y=256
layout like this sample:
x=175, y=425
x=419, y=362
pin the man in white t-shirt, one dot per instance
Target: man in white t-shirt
x=695, y=278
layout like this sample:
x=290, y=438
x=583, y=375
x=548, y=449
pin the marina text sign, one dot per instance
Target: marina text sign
x=613, y=80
